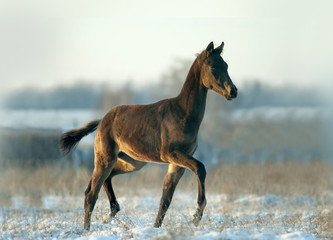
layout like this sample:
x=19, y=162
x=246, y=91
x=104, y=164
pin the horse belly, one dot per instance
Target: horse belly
x=142, y=144
x=140, y=150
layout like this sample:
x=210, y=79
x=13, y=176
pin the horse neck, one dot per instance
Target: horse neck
x=192, y=97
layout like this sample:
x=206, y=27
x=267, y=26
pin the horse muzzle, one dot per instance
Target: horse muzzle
x=233, y=92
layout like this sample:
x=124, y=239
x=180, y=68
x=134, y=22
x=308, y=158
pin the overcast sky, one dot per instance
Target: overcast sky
x=45, y=43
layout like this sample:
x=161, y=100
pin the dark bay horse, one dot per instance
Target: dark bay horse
x=163, y=132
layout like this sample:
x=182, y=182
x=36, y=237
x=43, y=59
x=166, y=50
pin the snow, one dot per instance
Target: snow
x=296, y=235
x=225, y=217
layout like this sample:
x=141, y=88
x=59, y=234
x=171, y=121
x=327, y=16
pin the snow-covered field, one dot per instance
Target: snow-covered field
x=225, y=217
x=245, y=201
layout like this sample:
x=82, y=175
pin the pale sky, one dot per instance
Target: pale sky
x=46, y=43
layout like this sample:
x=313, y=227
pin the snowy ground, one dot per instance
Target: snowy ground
x=225, y=217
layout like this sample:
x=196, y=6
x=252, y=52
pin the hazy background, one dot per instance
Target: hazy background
x=63, y=63
x=268, y=153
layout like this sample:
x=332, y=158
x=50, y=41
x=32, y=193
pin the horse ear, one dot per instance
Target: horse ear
x=219, y=49
x=210, y=48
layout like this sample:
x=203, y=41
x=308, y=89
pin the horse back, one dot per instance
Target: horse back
x=141, y=130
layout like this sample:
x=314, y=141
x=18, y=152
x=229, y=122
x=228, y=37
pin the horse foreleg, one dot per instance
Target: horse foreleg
x=170, y=182
x=186, y=161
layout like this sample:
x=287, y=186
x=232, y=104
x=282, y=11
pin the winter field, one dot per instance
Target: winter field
x=285, y=200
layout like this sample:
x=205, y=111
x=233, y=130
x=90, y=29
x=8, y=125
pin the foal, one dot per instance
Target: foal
x=163, y=132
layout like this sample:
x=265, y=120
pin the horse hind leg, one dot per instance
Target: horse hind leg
x=125, y=164
x=104, y=162
x=114, y=205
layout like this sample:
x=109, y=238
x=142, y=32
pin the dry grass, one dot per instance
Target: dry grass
x=285, y=179
x=35, y=183
x=279, y=178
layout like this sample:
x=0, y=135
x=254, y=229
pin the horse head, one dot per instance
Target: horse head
x=214, y=72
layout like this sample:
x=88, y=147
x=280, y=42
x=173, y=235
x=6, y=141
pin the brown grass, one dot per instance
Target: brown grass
x=286, y=179
x=280, y=178
x=34, y=183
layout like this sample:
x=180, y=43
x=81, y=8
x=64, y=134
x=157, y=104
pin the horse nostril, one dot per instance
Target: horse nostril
x=233, y=92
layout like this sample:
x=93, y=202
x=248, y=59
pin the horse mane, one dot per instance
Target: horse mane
x=193, y=74
x=200, y=57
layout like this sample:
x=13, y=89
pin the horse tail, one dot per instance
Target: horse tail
x=71, y=138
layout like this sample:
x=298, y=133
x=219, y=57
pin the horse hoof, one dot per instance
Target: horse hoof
x=196, y=222
x=157, y=225
x=196, y=219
